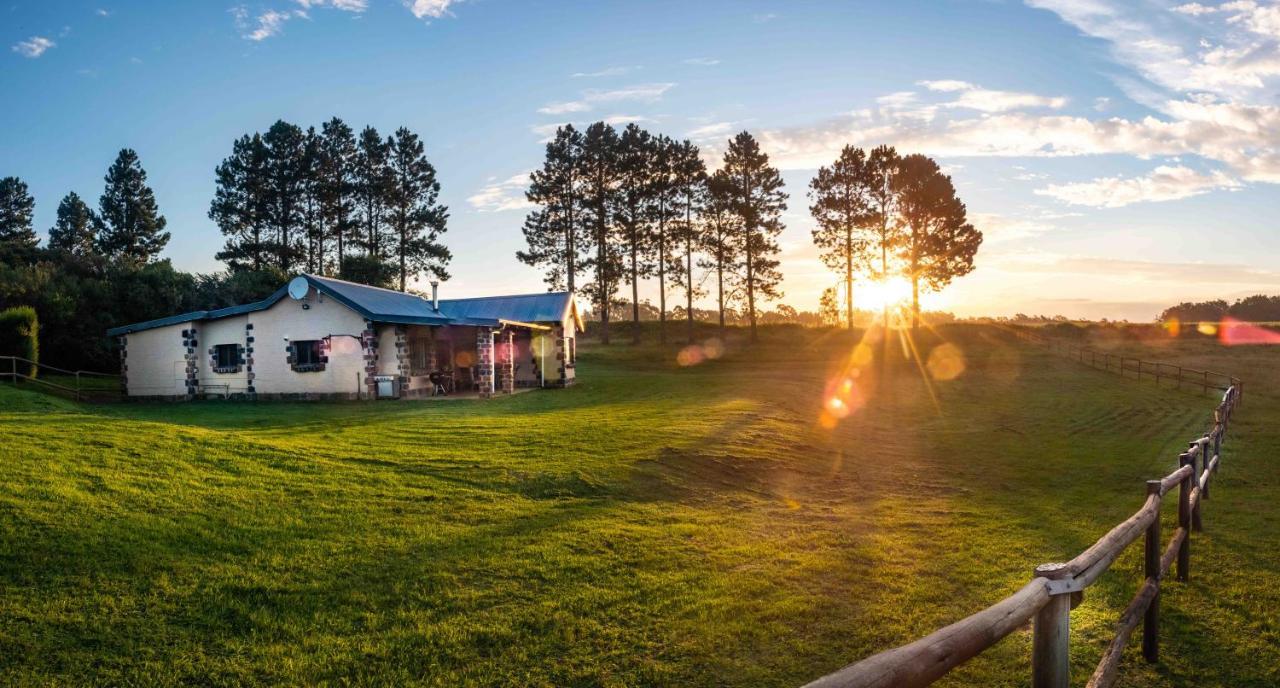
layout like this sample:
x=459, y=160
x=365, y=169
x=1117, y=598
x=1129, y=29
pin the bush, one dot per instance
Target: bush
x=19, y=335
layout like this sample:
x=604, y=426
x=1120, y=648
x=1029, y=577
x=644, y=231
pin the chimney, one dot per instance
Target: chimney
x=435, y=296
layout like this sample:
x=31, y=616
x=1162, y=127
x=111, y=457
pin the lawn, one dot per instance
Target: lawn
x=655, y=525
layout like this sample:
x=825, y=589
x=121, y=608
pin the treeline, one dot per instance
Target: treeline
x=615, y=208
x=618, y=208
x=329, y=202
x=1256, y=308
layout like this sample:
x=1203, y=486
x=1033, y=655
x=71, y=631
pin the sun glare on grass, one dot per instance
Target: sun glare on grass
x=876, y=296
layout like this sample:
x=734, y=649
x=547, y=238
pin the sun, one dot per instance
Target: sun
x=875, y=296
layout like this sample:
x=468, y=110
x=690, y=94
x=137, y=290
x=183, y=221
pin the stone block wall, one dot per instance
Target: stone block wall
x=191, y=342
x=484, y=361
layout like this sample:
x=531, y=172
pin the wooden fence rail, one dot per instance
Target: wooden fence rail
x=1057, y=588
x=1130, y=366
x=9, y=369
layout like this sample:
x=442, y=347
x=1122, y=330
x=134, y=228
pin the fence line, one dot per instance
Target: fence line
x=79, y=391
x=1057, y=588
x=1124, y=365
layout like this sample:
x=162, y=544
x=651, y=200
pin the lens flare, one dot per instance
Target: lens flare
x=879, y=295
x=1174, y=327
x=946, y=362
x=1207, y=329
x=1238, y=333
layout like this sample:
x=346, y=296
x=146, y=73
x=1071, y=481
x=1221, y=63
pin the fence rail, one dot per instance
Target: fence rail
x=1056, y=588
x=1127, y=366
x=36, y=372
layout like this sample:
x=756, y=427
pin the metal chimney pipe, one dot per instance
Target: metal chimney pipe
x=435, y=296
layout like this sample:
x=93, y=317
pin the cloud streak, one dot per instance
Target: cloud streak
x=593, y=97
x=33, y=47
x=1164, y=183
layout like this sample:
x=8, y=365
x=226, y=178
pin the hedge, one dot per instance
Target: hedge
x=19, y=336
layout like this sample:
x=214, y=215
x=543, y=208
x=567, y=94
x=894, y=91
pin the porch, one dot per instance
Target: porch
x=463, y=361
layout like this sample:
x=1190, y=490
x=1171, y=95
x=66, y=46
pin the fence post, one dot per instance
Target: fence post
x=1197, y=467
x=1206, y=451
x=1151, y=622
x=1050, y=644
x=1184, y=518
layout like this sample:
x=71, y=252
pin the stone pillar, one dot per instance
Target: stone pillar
x=124, y=365
x=508, y=374
x=249, y=375
x=561, y=350
x=369, y=344
x=484, y=361
x=190, y=341
x=403, y=366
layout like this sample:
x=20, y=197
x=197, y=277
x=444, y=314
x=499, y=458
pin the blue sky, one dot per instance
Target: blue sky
x=1119, y=156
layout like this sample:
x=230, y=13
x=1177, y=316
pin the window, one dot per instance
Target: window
x=226, y=358
x=307, y=356
x=420, y=362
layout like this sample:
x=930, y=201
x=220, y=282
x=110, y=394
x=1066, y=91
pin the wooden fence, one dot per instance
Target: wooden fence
x=1057, y=588
x=78, y=385
x=1127, y=366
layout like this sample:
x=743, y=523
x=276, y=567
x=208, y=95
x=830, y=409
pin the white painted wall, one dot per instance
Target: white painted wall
x=288, y=318
x=157, y=361
x=222, y=331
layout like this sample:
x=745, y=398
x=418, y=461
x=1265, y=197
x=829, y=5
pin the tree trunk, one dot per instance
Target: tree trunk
x=635, y=289
x=848, y=275
x=403, y=268
x=662, y=279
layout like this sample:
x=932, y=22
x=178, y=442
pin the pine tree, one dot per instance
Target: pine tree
x=689, y=178
x=76, y=228
x=372, y=182
x=842, y=209
x=17, y=209
x=239, y=205
x=877, y=180
x=311, y=189
x=416, y=218
x=133, y=228
x=599, y=198
x=664, y=200
x=938, y=243
x=337, y=185
x=554, y=232
x=758, y=201
x=720, y=228
x=285, y=144
x=635, y=188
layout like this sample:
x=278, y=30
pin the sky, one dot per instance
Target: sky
x=1119, y=156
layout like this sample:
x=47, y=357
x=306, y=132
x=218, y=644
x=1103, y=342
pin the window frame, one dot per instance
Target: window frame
x=314, y=349
x=232, y=365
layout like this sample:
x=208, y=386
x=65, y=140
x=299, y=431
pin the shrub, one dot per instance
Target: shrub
x=19, y=335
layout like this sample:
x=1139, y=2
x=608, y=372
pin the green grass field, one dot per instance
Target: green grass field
x=655, y=525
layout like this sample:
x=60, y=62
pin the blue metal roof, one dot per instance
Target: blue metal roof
x=529, y=308
x=386, y=305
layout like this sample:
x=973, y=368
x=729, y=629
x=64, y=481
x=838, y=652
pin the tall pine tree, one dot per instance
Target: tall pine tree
x=877, y=180
x=635, y=188
x=599, y=198
x=415, y=216
x=311, y=188
x=938, y=243
x=286, y=174
x=689, y=178
x=758, y=201
x=720, y=229
x=133, y=228
x=240, y=205
x=372, y=182
x=664, y=199
x=554, y=232
x=842, y=209
x=76, y=228
x=17, y=209
x=337, y=185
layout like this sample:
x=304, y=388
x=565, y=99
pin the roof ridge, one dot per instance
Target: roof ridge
x=510, y=296
x=365, y=286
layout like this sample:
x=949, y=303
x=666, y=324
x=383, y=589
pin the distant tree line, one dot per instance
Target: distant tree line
x=1256, y=308
x=328, y=202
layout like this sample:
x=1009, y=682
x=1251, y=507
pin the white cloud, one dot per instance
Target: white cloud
x=593, y=97
x=266, y=25
x=345, y=5
x=702, y=61
x=607, y=71
x=975, y=97
x=33, y=47
x=433, y=9
x=502, y=195
x=101, y=12
x=714, y=130
x=1207, y=51
x=1165, y=183
x=763, y=18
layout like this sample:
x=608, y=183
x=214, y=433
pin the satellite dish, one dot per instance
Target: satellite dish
x=298, y=288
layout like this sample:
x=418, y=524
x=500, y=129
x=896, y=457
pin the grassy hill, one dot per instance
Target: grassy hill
x=656, y=525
